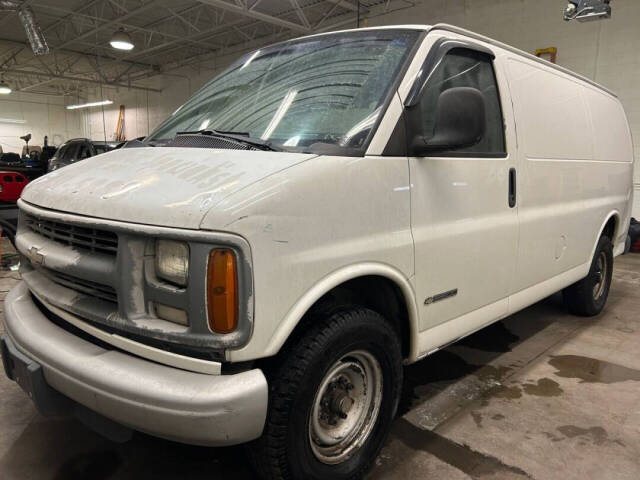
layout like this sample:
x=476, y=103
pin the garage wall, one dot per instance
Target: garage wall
x=143, y=110
x=606, y=51
x=43, y=115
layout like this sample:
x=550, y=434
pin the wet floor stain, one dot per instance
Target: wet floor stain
x=462, y=457
x=446, y=366
x=591, y=370
x=596, y=435
x=545, y=387
x=510, y=393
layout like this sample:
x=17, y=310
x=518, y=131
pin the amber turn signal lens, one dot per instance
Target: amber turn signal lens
x=222, y=291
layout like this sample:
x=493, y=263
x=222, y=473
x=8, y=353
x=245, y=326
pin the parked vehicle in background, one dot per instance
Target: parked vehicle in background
x=322, y=213
x=11, y=186
x=78, y=149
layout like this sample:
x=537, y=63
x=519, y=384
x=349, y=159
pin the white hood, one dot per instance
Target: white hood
x=164, y=186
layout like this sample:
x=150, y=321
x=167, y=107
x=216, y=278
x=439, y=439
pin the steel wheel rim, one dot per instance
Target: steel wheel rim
x=601, y=276
x=345, y=407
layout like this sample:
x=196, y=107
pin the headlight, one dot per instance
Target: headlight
x=172, y=261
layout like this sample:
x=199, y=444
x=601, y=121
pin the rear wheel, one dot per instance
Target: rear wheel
x=589, y=296
x=332, y=397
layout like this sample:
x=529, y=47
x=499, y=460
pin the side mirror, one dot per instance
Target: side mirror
x=460, y=122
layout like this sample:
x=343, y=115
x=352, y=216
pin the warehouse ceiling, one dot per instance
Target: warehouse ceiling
x=167, y=34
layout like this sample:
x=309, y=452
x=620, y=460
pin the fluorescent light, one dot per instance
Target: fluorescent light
x=90, y=104
x=5, y=89
x=12, y=120
x=121, y=40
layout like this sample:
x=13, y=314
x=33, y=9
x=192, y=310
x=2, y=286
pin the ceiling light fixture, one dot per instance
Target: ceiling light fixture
x=5, y=89
x=121, y=40
x=90, y=104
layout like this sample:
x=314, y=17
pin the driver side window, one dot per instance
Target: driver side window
x=466, y=68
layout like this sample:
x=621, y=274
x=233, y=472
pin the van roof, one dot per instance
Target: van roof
x=477, y=36
x=468, y=33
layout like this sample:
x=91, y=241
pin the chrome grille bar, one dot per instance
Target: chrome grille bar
x=84, y=286
x=92, y=239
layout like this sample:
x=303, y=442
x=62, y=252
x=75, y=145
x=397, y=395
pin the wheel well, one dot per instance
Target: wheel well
x=610, y=228
x=372, y=291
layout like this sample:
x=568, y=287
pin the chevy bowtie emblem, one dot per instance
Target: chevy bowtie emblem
x=35, y=256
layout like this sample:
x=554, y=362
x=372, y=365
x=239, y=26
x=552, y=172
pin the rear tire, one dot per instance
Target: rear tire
x=588, y=297
x=332, y=397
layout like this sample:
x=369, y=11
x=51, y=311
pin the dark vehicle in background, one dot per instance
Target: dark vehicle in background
x=79, y=149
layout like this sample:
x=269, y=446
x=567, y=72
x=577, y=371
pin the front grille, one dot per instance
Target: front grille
x=93, y=239
x=87, y=287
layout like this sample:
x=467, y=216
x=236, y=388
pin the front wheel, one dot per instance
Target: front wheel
x=332, y=397
x=589, y=296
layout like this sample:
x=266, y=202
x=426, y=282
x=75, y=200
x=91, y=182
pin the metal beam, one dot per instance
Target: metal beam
x=346, y=5
x=108, y=24
x=86, y=54
x=232, y=7
x=82, y=80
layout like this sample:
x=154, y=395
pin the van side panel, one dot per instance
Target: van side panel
x=613, y=152
x=575, y=168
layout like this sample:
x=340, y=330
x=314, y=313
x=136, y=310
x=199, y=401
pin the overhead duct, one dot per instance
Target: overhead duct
x=28, y=19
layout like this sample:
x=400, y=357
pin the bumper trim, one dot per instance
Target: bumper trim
x=47, y=291
x=157, y=399
x=28, y=374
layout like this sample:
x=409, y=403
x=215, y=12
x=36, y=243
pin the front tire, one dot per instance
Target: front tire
x=588, y=297
x=332, y=397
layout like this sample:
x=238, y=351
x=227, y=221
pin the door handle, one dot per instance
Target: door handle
x=512, y=187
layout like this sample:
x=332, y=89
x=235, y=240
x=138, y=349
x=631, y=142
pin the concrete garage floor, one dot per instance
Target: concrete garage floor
x=539, y=395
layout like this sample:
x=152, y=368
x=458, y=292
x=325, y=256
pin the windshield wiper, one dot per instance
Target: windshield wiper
x=241, y=137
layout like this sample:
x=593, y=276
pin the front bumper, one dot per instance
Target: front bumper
x=160, y=400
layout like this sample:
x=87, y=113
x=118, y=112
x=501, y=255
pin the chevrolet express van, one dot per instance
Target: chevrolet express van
x=322, y=213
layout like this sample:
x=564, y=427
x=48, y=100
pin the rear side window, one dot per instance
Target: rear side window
x=85, y=151
x=467, y=68
x=8, y=179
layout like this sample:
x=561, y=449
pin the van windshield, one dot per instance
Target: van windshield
x=318, y=94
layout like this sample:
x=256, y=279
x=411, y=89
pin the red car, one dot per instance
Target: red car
x=11, y=186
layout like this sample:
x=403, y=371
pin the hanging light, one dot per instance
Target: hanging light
x=121, y=40
x=90, y=104
x=5, y=89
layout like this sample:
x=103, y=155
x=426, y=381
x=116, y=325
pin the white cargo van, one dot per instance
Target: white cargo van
x=323, y=212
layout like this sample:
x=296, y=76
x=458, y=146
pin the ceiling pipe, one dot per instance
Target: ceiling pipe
x=28, y=19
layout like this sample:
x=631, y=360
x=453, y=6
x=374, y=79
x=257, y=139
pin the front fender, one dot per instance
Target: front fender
x=336, y=278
